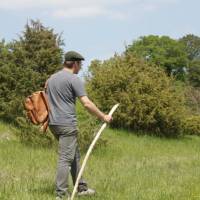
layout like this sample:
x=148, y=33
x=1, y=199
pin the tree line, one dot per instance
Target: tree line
x=156, y=80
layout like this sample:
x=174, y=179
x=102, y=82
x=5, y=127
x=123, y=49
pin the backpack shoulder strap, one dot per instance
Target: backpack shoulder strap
x=44, y=96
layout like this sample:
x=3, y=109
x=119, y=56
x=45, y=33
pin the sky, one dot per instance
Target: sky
x=99, y=28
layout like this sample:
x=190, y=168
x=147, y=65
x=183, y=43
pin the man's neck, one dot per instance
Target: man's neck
x=68, y=70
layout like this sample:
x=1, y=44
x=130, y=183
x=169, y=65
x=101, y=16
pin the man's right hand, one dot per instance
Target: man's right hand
x=107, y=118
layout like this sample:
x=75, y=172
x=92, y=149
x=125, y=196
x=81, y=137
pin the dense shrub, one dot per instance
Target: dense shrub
x=147, y=96
x=191, y=121
x=191, y=125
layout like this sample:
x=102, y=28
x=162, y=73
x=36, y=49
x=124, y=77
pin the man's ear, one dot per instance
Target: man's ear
x=77, y=63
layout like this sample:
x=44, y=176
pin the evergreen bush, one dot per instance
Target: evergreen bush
x=148, y=98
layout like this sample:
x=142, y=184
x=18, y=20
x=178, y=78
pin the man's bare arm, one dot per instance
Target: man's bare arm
x=92, y=108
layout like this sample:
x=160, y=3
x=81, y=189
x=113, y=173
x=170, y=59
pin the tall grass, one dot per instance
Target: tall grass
x=128, y=168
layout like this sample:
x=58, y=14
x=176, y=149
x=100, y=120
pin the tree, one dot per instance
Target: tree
x=39, y=49
x=25, y=65
x=5, y=54
x=194, y=73
x=162, y=51
x=192, y=46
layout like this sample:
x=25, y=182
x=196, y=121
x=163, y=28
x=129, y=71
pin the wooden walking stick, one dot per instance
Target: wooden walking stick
x=90, y=150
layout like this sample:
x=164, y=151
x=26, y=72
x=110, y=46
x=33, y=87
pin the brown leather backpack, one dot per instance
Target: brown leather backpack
x=37, y=109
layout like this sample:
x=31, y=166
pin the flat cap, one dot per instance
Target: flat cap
x=73, y=56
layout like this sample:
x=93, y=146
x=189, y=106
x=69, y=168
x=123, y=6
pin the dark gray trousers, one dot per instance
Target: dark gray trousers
x=69, y=158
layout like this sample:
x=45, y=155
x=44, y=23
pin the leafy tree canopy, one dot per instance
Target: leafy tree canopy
x=192, y=46
x=162, y=51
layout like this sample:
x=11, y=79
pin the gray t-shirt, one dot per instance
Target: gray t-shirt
x=62, y=89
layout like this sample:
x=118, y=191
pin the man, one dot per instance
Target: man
x=62, y=89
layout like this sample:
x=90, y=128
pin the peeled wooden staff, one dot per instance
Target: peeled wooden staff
x=90, y=150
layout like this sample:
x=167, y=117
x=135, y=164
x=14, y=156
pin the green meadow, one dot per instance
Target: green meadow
x=128, y=168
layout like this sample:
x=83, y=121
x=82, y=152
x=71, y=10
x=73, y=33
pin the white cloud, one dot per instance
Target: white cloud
x=88, y=11
x=86, y=8
x=76, y=12
x=27, y=4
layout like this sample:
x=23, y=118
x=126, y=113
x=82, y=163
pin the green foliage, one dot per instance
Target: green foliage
x=38, y=49
x=192, y=46
x=5, y=54
x=193, y=100
x=148, y=98
x=162, y=51
x=194, y=73
x=191, y=125
x=16, y=84
x=25, y=66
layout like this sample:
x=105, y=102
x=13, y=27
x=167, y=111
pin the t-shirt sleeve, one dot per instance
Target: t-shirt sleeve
x=78, y=87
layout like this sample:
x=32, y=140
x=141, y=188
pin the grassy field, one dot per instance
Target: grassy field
x=129, y=168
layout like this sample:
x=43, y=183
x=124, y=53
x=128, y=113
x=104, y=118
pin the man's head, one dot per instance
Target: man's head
x=73, y=61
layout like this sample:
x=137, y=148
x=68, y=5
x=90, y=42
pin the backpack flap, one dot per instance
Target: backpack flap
x=36, y=106
x=40, y=107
